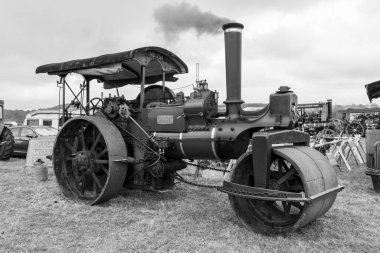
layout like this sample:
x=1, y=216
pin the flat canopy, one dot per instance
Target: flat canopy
x=373, y=90
x=119, y=69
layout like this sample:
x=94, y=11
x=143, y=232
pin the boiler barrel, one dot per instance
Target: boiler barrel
x=211, y=145
x=191, y=145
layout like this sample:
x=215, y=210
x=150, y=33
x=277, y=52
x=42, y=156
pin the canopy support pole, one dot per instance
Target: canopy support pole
x=163, y=84
x=64, y=111
x=87, y=92
x=142, y=86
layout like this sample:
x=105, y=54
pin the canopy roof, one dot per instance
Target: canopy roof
x=119, y=69
x=373, y=90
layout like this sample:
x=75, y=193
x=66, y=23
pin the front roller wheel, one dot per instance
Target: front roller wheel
x=293, y=169
x=86, y=154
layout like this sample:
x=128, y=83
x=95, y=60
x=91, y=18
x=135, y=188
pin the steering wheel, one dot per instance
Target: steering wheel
x=94, y=105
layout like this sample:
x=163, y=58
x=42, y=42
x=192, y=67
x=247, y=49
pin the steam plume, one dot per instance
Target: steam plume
x=176, y=18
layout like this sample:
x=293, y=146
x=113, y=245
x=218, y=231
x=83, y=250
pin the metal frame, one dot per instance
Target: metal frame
x=262, y=143
x=249, y=192
x=84, y=90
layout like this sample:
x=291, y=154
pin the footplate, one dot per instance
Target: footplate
x=249, y=192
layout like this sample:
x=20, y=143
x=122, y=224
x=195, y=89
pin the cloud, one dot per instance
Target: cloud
x=283, y=43
x=176, y=18
x=53, y=27
x=42, y=32
x=328, y=51
x=317, y=47
x=283, y=6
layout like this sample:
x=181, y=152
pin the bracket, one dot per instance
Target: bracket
x=262, y=150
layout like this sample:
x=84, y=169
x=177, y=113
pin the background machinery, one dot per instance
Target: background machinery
x=373, y=142
x=357, y=121
x=6, y=137
x=317, y=117
x=141, y=143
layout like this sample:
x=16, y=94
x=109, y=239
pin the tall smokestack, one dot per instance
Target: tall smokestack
x=329, y=109
x=232, y=40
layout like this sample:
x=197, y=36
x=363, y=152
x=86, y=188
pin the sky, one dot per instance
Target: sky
x=322, y=49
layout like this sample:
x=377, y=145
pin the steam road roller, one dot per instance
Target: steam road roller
x=142, y=143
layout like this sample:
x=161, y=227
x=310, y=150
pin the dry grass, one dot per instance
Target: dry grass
x=36, y=217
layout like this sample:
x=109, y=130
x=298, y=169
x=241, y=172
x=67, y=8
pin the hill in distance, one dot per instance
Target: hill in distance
x=19, y=115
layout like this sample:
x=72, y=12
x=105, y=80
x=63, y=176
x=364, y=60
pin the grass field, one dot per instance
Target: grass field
x=36, y=217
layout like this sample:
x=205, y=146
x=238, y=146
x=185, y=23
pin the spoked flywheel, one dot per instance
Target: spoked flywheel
x=87, y=155
x=355, y=128
x=293, y=169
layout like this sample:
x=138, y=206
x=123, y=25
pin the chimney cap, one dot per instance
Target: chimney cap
x=283, y=89
x=232, y=25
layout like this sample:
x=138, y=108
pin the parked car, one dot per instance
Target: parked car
x=23, y=134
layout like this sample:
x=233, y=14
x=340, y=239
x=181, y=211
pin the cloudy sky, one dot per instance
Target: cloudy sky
x=321, y=48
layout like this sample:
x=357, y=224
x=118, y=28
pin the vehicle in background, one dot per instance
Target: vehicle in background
x=6, y=138
x=317, y=117
x=48, y=117
x=357, y=121
x=373, y=142
x=23, y=134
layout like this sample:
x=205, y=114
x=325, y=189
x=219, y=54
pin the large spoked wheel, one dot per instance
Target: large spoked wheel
x=86, y=154
x=293, y=169
x=355, y=128
x=329, y=133
x=6, y=144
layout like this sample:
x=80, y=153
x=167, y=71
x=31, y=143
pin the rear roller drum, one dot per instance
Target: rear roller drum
x=293, y=169
x=87, y=155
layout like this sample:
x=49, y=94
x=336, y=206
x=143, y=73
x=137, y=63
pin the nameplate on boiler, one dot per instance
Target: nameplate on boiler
x=165, y=119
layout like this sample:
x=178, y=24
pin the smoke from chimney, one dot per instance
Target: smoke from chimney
x=176, y=18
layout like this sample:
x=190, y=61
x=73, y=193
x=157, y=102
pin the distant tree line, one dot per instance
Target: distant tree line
x=337, y=108
x=15, y=115
x=19, y=115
